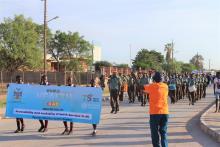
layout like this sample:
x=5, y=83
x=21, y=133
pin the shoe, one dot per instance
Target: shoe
x=17, y=131
x=115, y=112
x=65, y=132
x=41, y=129
x=22, y=128
x=70, y=132
x=112, y=111
x=45, y=130
x=93, y=133
x=142, y=104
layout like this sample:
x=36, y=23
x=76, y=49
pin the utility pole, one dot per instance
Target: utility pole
x=45, y=34
x=130, y=54
x=197, y=60
x=209, y=64
x=172, y=50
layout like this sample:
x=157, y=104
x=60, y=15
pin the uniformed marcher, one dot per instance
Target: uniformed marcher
x=123, y=82
x=192, y=90
x=172, y=89
x=205, y=84
x=178, y=87
x=131, y=88
x=143, y=81
x=197, y=87
x=114, y=87
x=184, y=85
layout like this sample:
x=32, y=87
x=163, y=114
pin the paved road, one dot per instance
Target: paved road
x=128, y=128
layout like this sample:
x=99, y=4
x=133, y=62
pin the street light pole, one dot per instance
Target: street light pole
x=45, y=33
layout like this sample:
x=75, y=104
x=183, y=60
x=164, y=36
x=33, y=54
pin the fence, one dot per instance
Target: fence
x=54, y=78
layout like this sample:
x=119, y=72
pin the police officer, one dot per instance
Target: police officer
x=178, y=87
x=114, y=87
x=131, y=88
x=122, y=81
x=192, y=89
x=184, y=84
x=205, y=84
x=143, y=81
x=172, y=89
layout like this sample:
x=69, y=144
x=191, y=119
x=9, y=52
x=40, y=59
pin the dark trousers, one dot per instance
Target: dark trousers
x=94, y=126
x=158, y=127
x=131, y=94
x=121, y=95
x=204, y=91
x=114, y=99
x=66, y=125
x=43, y=124
x=184, y=90
x=20, y=123
x=172, y=95
x=192, y=97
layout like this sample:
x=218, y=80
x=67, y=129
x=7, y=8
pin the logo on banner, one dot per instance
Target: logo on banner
x=53, y=104
x=90, y=98
x=17, y=94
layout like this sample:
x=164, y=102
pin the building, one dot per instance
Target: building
x=52, y=64
x=97, y=54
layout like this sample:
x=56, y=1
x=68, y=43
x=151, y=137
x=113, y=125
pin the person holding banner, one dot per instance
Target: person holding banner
x=67, y=131
x=19, y=121
x=95, y=84
x=43, y=124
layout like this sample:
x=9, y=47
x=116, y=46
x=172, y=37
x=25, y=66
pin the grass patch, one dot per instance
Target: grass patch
x=2, y=102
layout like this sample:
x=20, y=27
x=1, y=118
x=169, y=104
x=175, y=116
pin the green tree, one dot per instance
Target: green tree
x=123, y=65
x=187, y=67
x=146, y=59
x=70, y=49
x=57, y=47
x=99, y=64
x=197, y=61
x=19, y=44
x=173, y=67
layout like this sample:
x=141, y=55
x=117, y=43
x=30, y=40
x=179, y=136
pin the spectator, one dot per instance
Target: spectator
x=159, y=113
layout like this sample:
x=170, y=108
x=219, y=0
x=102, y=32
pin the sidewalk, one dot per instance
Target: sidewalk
x=210, y=123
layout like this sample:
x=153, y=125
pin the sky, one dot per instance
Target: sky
x=120, y=25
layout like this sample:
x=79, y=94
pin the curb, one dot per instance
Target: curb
x=210, y=131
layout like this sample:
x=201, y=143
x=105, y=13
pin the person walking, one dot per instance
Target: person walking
x=68, y=131
x=43, y=124
x=192, y=89
x=19, y=121
x=159, y=113
x=114, y=87
x=217, y=91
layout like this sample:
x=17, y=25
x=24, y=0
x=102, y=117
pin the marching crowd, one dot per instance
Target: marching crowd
x=184, y=85
x=144, y=87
